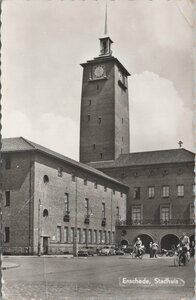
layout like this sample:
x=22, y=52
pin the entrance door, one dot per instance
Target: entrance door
x=45, y=245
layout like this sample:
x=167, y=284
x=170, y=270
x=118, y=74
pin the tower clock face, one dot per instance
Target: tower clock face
x=98, y=71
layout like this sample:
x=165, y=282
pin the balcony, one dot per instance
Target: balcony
x=151, y=222
x=66, y=217
x=103, y=222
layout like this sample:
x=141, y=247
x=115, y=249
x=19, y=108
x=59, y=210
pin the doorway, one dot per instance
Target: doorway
x=45, y=245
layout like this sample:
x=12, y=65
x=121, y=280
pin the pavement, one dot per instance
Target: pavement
x=9, y=265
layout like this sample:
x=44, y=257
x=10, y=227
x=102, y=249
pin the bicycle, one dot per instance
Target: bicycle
x=138, y=254
x=181, y=257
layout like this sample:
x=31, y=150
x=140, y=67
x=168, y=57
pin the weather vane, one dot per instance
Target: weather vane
x=180, y=144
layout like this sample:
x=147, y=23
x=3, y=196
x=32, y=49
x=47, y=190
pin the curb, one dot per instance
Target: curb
x=10, y=267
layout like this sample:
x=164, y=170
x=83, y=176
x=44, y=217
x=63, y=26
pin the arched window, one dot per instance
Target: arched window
x=46, y=179
x=45, y=213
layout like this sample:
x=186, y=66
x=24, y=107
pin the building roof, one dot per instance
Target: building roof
x=148, y=158
x=20, y=144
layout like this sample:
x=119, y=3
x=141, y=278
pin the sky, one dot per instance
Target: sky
x=45, y=41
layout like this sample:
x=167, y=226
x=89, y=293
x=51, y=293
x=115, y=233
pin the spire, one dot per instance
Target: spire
x=105, y=42
x=106, y=25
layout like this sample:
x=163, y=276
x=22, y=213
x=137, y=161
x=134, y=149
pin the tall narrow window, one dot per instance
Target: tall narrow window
x=109, y=237
x=112, y=241
x=97, y=87
x=100, y=237
x=79, y=235
x=165, y=214
x=87, y=206
x=151, y=192
x=7, y=162
x=66, y=203
x=136, y=215
x=89, y=117
x=101, y=155
x=165, y=191
x=65, y=234
x=7, y=235
x=58, y=238
x=103, y=210
x=85, y=181
x=72, y=234
x=95, y=237
x=93, y=146
x=90, y=236
x=90, y=102
x=180, y=190
x=7, y=198
x=84, y=236
x=95, y=184
x=99, y=120
x=193, y=192
x=136, y=194
x=73, y=177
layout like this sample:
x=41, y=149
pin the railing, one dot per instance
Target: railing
x=156, y=222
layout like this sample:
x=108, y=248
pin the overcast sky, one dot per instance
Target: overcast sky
x=44, y=42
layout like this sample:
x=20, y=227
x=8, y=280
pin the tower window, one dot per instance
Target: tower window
x=101, y=155
x=7, y=198
x=90, y=102
x=73, y=177
x=122, y=120
x=46, y=179
x=89, y=117
x=93, y=146
x=121, y=150
x=45, y=213
x=85, y=181
x=7, y=235
x=7, y=162
x=99, y=120
x=122, y=138
x=60, y=171
x=97, y=87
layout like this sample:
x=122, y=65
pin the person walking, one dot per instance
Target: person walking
x=150, y=248
x=154, y=249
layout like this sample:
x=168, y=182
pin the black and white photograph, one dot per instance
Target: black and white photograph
x=97, y=150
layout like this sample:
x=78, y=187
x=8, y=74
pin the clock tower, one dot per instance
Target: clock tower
x=104, y=119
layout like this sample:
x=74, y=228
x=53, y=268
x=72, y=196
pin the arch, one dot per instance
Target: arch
x=46, y=179
x=168, y=241
x=45, y=213
x=124, y=243
x=146, y=239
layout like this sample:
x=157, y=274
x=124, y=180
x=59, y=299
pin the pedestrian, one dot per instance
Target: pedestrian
x=150, y=248
x=154, y=249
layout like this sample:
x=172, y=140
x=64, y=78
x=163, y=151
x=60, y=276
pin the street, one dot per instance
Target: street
x=58, y=278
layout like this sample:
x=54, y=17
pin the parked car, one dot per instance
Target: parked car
x=107, y=251
x=120, y=252
x=83, y=252
x=90, y=251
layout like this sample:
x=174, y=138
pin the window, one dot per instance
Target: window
x=97, y=87
x=72, y=234
x=109, y=237
x=165, y=191
x=66, y=203
x=122, y=120
x=180, y=190
x=45, y=213
x=90, y=102
x=93, y=146
x=85, y=181
x=89, y=117
x=104, y=237
x=73, y=177
x=46, y=179
x=84, y=237
x=95, y=237
x=112, y=237
x=151, y=192
x=58, y=234
x=101, y=155
x=103, y=210
x=165, y=214
x=95, y=185
x=78, y=235
x=86, y=206
x=113, y=192
x=122, y=138
x=7, y=198
x=121, y=194
x=105, y=188
x=90, y=236
x=99, y=120
x=100, y=237
x=136, y=215
x=136, y=194
x=60, y=171
x=7, y=235
x=121, y=150
x=66, y=234
x=7, y=163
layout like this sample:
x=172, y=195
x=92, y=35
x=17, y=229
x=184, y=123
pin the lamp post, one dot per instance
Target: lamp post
x=75, y=242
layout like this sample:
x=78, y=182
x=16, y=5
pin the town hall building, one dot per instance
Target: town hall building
x=53, y=204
